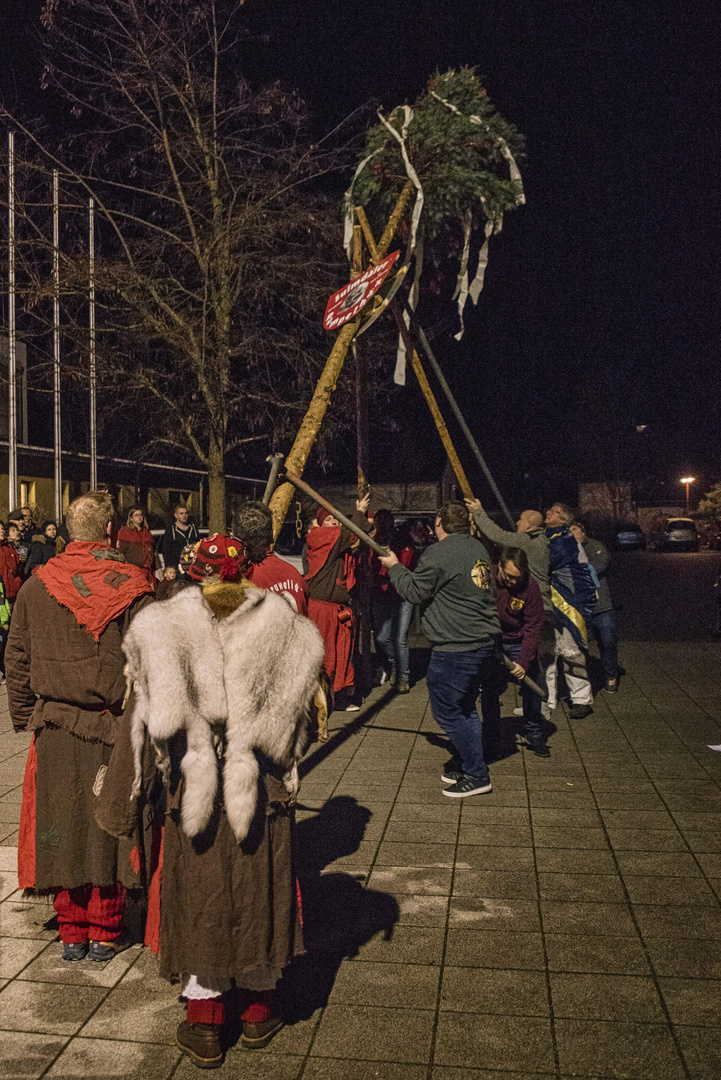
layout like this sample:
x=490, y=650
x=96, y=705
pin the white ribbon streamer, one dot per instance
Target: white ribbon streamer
x=348, y=203
x=399, y=375
x=494, y=223
x=461, y=290
x=410, y=172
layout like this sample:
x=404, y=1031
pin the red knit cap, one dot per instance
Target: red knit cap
x=321, y=515
x=218, y=554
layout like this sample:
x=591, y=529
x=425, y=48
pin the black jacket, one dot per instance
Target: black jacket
x=174, y=540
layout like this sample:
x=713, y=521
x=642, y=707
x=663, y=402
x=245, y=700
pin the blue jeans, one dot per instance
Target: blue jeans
x=606, y=634
x=391, y=619
x=453, y=679
x=490, y=699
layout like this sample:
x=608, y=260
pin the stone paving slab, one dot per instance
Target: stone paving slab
x=566, y=925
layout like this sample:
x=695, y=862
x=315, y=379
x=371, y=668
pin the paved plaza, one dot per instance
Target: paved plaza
x=567, y=925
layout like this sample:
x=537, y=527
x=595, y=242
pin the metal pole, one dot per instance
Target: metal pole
x=93, y=387
x=418, y=331
x=276, y=460
x=12, y=374
x=56, y=351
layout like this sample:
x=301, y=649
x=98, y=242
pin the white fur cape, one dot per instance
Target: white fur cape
x=245, y=680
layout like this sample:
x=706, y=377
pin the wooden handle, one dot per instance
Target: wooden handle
x=302, y=486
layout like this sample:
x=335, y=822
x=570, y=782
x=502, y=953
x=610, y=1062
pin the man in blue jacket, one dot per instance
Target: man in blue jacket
x=452, y=583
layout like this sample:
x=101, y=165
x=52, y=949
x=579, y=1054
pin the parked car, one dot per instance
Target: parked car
x=630, y=538
x=680, y=534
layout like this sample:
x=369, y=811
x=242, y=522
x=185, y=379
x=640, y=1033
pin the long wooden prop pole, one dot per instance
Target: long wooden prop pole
x=296, y=482
x=432, y=404
x=526, y=680
x=313, y=418
x=418, y=367
x=417, y=329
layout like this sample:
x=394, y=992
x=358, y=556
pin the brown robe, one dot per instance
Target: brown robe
x=68, y=690
x=229, y=912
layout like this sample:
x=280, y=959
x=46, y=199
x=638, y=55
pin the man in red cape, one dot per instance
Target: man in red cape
x=330, y=577
x=66, y=684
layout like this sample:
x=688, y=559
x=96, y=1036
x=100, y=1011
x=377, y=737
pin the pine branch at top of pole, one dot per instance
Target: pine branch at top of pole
x=311, y=423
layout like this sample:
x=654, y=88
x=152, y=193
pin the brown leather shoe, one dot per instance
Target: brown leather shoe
x=255, y=1036
x=201, y=1042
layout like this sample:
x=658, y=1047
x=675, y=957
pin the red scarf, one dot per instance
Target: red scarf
x=94, y=582
x=139, y=536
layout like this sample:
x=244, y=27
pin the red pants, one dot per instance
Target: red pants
x=89, y=912
x=335, y=622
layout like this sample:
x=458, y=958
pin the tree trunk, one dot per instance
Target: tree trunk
x=217, y=513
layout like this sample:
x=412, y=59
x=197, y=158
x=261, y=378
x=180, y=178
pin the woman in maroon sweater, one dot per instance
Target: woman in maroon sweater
x=520, y=611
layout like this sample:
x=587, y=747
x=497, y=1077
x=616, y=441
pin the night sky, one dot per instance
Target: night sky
x=600, y=310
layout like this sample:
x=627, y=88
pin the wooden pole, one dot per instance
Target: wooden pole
x=310, y=425
x=432, y=403
x=417, y=366
x=418, y=331
x=301, y=485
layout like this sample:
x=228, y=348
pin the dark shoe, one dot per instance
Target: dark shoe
x=256, y=1036
x=539, y=747
x=578, y=712
x=201, y=1042
x=403, y=687
x=468, y=785
x=451, y=776
x=611, y=686
x=102, y=951
x=76, y=951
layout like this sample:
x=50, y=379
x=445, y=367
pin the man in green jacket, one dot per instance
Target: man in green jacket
x=452, y=583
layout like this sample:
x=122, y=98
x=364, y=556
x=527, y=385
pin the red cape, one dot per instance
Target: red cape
x=94, y=582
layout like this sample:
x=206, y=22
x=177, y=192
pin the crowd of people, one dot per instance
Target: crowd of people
x=168, y=692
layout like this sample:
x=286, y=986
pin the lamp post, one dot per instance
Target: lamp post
x=688, y=480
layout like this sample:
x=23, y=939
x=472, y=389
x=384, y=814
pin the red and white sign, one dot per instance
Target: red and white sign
x=348, y=301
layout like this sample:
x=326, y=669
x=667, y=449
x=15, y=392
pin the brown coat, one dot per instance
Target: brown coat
x=57, y=674
x=69, y=690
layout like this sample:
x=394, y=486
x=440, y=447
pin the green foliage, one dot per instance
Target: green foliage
x=459, y=162
x=710, y=505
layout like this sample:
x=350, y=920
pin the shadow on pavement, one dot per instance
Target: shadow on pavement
x=339, y=915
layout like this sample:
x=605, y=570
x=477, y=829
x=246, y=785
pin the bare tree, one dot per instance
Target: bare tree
x=213, y=257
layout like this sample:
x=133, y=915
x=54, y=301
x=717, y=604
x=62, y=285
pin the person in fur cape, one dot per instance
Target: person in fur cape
x=223, y=676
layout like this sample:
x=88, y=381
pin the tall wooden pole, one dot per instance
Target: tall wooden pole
x=93, y=379
x=310, y=425
x=12, y=358
x=57, y=430
x=432, y=404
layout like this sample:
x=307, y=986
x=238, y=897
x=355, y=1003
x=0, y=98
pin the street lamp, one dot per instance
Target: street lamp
x=688, y=480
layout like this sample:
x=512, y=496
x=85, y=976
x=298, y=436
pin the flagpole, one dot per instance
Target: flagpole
x=56, y=351
x=93, y=380
x=12, y=373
